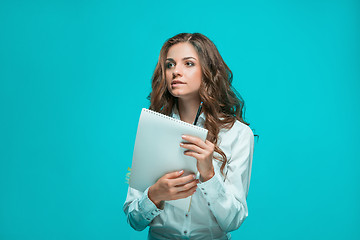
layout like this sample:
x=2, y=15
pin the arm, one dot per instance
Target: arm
x=142, y=208
x=139, y=209
x=227, y=200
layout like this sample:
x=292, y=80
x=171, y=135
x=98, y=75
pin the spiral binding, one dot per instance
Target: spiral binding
x=173, y=119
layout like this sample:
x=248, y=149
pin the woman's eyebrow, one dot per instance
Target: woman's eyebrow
x=185, y=58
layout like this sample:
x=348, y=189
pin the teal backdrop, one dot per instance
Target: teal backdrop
x=74, y=76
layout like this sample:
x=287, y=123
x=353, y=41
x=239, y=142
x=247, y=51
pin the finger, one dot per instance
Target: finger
x=182, y=180
x=210, y=145
x=193, y=154
x=185, y=194
x=192, y=147
x=173, y=175
x=195, y=140
x=187, y=186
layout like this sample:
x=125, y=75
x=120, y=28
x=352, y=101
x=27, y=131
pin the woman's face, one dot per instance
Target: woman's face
x=183, y=71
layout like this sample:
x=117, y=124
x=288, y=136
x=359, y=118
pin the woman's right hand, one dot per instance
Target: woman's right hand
x=172, y=186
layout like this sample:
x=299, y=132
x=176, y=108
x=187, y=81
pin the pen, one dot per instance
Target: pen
x=196, y=119
x=198, y=173
x=198, y=113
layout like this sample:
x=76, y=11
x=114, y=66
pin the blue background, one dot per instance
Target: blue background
x=74, y=76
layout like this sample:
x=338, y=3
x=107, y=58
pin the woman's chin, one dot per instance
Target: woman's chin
x=177, y=93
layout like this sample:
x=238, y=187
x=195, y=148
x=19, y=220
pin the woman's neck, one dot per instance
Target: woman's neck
x=188, y=109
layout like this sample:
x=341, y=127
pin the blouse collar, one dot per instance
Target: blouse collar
x=175, y=114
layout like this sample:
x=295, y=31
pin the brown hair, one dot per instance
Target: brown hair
x=222, y=105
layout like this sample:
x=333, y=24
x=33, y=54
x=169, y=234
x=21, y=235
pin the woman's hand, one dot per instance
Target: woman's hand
x=172, y=186
x=203, y=152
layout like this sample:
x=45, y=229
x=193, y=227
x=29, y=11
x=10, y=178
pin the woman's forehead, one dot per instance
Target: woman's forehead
x=182, y=50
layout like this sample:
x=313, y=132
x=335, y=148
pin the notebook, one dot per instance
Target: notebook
x=157, y=151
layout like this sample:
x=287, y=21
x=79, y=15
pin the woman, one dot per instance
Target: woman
x=189, y=71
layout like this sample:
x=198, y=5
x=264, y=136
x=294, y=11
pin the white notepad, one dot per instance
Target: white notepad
x=157, y=151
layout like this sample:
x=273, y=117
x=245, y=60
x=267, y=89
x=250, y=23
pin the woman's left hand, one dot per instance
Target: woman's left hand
x=203, y=152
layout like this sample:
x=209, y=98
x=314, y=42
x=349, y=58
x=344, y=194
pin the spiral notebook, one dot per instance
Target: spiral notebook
x=157, y=151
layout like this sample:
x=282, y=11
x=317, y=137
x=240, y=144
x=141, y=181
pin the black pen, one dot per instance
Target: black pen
x=198, y=113
x=198, y=173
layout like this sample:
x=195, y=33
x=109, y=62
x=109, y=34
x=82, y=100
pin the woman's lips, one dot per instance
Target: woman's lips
x=176, y=83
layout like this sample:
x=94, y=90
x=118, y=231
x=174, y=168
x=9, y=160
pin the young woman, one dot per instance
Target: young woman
x=189, y=71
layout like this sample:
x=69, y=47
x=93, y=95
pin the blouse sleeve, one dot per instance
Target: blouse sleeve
x=227, y=199
x=139, y=209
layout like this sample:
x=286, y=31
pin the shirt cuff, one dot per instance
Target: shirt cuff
x=149, y=209
x=212, y=189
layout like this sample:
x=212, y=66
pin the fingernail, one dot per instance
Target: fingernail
x=194, y=176
x=181, y=171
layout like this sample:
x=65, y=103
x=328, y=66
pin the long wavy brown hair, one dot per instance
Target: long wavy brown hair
x=222, y=104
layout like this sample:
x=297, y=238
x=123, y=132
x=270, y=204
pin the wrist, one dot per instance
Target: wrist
x=152, y=197
x=207, y=176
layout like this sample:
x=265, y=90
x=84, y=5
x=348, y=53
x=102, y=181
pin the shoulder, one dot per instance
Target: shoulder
x=239, y=129
x=238, y=133
x=242, y=128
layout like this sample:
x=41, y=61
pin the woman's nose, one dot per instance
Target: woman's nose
x=177, y=71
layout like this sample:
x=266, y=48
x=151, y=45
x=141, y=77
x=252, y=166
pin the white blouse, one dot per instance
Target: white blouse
x=218, y=205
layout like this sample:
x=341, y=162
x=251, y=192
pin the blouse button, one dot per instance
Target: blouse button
x=208, y=204
x=205, y=193
x=185, y=232
x=186, y=215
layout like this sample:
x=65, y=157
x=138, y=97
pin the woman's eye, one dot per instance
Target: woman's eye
x=190, y=63
x=169, y=65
